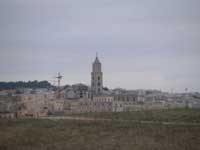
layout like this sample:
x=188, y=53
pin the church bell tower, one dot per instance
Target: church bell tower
x=96, y=77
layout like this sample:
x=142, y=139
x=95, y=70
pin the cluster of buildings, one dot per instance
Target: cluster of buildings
x=80, y=98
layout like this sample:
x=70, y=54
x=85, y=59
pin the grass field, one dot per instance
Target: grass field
x=43, y=134
x=171, y=115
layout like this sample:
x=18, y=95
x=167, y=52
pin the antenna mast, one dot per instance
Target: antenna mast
x=59, y=77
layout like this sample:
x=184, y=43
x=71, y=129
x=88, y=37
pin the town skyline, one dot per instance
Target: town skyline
x=64, y=83
x=140, y=45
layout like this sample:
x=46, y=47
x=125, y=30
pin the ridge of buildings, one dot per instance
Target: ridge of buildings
x=80, y=98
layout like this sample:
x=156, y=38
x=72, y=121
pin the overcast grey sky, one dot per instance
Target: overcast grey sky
x=151, y=44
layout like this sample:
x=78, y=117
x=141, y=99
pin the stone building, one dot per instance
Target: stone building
x=72, y=106
x=40, y=104
x=9, y=106
x=76, y=91
x=103, y=103
x=55, y=106
x=34, y=105
x=80, y=90
x=70, y=93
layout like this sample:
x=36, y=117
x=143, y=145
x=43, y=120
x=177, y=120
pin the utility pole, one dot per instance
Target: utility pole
x=59, y=77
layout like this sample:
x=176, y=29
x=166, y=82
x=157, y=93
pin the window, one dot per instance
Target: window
x=99, y=78
x=99, y=84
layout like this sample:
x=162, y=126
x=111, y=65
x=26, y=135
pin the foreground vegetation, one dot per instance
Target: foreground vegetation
x=169, y=115
x=41, y=134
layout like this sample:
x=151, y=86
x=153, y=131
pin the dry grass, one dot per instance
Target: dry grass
x=32, y=134
x=170, y=115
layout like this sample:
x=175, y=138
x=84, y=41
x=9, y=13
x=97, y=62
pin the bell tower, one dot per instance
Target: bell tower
x=96, y=77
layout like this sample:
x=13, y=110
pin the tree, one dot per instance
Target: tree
x=21, y=84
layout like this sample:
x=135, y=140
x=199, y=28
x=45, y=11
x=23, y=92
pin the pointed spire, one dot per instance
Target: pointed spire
x=97, y=59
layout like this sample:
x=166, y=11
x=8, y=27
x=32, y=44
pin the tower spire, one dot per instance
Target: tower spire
x=96, y=54
x=97, y=59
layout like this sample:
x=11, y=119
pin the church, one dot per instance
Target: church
x=96, y=78
x=77, y=91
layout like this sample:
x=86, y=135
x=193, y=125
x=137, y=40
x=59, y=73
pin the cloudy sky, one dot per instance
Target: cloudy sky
x=150, y=44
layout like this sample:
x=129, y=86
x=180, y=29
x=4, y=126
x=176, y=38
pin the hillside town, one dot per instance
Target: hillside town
x=80, y=98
